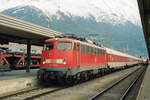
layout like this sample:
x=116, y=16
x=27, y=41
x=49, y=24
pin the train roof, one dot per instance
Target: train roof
x=73, y=37
x=86, y=42
x=108, y=50
x=112, y=51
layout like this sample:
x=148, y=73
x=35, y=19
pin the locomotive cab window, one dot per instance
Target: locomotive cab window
x=78, y=48
x=74, y=48
x=64, y=46
x=49, y=46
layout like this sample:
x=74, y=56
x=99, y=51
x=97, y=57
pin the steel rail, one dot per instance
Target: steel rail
x=132, y=84
x=18, y=93
x=44, y=93
x=111, y=86
x=32, y=96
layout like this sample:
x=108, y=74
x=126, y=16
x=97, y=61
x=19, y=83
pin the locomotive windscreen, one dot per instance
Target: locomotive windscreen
x=49, y=46
x=64, y=46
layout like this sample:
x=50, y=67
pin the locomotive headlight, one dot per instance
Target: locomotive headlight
x=43, y=62
x=64, y=60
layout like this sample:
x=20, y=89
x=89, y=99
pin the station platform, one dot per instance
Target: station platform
x=17, y=80
x=144, y=92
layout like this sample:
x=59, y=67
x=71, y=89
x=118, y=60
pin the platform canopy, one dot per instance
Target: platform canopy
x=144, y=8
x=19, y=31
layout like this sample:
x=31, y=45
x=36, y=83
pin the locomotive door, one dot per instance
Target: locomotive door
x=76, y=54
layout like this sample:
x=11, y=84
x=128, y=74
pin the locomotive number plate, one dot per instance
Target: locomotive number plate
x=48, y=61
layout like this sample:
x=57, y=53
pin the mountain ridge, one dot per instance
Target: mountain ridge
x=119, y=34
x=102, y=10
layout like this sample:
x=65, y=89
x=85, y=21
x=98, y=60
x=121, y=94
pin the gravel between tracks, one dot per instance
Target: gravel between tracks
x=87, y=89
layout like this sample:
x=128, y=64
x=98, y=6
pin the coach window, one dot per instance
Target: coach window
x=91, y=50
x=49, y=46
x=100, y=51
x=94, y=50
x=97, y=51
x=103, y=52
x=88, y=49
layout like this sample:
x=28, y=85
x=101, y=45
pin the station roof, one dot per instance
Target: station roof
x=144, y=8
x=19, y=31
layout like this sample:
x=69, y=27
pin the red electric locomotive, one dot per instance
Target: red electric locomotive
x=70, y=59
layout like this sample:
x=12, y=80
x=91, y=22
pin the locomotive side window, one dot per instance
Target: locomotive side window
x=101, y=52
x=64, y=45
x=83, y=48
x=91, y=50
x=49, y=46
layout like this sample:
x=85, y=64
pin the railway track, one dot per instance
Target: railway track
x=120, y=89
x=31, y=93
x=35, y=92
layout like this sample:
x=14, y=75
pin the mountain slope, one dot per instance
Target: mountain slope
x=121, y=36
x=112, y=11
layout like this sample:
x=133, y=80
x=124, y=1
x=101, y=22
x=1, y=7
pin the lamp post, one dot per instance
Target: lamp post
x=48, y=21
x=47, y=17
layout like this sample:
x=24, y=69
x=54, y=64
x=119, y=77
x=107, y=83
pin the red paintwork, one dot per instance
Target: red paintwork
x=57, y=54
x=73, y=58
x=78, y=59
x=117, y=58
x=20, y=63
x=3, y=57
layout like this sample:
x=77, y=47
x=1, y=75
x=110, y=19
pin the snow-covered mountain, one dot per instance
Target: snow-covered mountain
x=119, y=18
x=112, y=11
